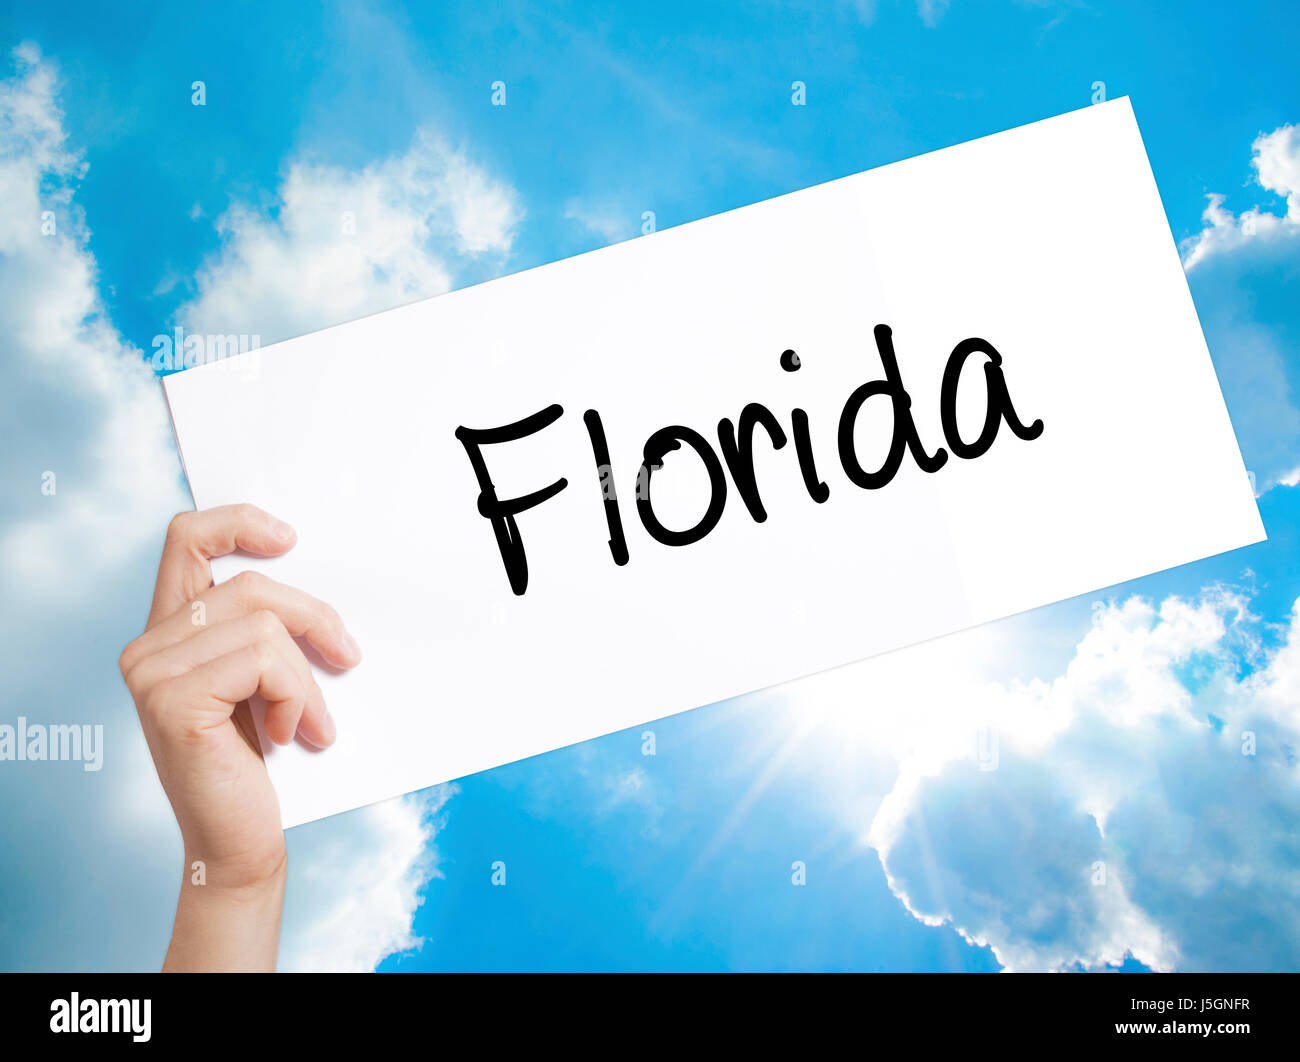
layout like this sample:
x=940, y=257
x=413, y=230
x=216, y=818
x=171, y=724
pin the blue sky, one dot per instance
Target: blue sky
x=1120, y=717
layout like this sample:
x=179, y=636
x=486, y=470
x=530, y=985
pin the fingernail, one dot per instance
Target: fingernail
x=281, y=530
x=350, y=644
x=329, y=731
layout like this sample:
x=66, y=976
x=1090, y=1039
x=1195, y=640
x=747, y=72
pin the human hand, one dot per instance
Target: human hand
x=205, y=650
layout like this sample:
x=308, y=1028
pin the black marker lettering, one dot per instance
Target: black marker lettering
x=659, y=444
x=998, y=406
x=736, y=443
x=605, y=471
x=817, y=490
x=501, y=513
x=905, y=434
x=739, y=453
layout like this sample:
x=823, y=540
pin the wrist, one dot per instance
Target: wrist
x=228, y=915
x=265, y=872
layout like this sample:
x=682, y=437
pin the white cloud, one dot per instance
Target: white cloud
x=1238, y=268
x=356, y=881
x=79, y=402
x=1129, y=764
x=343, y=243
x=1275, y=159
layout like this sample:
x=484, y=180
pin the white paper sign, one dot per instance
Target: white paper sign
x=1065, y=432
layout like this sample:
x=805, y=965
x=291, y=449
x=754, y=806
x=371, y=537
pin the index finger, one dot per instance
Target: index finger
x=193, y=539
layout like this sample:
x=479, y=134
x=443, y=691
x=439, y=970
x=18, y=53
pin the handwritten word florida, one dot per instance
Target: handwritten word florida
x=736, y=443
